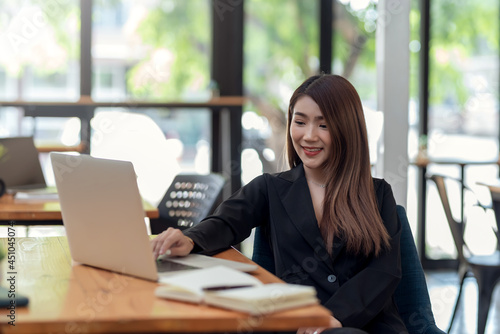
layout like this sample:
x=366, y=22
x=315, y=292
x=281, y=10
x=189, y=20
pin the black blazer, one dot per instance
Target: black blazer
x=356, y=289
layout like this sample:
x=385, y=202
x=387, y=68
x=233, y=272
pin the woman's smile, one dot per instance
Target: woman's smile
x=311, y=151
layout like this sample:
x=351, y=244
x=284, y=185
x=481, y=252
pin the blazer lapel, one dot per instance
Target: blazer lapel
x=296, y=200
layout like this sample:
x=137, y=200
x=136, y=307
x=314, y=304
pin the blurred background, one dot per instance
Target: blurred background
x=160, y=51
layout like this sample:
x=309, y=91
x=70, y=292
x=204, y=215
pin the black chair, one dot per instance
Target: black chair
x=189, y=199
x=412, y=296
x=485, y=268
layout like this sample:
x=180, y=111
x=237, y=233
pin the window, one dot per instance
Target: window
x=154, y=51
x=40, y=50
x=463, y=111
x=39, y=62
x=355, y=23
x=281, y=50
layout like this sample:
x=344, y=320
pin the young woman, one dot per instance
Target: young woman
x=330, y=224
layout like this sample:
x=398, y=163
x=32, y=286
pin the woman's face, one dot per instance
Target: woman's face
x=310, y=135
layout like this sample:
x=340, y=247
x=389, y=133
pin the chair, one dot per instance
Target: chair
x=485, y=268
x=189, y=199
x=412, y=297
x=495, y=204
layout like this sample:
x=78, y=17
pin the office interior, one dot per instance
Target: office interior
x=132, y=80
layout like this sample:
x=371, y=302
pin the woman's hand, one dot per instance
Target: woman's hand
x=334, y=323
x=173, y=242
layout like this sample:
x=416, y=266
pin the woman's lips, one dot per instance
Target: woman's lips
x=312, y=151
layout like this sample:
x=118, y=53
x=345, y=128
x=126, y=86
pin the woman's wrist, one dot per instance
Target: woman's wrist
x=191, y=241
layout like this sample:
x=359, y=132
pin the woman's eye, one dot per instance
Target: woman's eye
x=323, y=126
x=299, y=123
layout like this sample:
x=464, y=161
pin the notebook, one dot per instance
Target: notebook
x=104, y=219
x=234, y=290
x=20, y=167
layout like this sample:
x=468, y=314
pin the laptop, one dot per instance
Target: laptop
x=104, y=220
x=20, y=167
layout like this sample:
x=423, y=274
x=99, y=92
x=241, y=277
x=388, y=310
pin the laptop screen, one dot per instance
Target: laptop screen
x=19, y=164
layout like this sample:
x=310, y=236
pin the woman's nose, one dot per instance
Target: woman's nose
x=310, y=133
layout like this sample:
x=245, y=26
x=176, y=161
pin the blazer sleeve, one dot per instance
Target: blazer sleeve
x=366, y=294
x=233, y=221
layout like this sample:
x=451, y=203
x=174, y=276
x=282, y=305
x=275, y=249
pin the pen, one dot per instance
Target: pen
x=225, y=287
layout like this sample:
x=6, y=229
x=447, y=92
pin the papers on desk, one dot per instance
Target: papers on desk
x=49, y=193
x=231, y=289
x=191, y=286
x=37, y=195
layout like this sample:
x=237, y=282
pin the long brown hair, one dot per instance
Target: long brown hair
x=350, y=207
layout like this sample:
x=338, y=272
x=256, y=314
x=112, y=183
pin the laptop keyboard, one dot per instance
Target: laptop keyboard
x=165, y=266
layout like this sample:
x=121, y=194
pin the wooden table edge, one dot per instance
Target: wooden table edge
x=317, y=315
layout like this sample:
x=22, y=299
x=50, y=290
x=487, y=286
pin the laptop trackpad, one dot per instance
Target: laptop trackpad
x=166, y=266
x=203, y=261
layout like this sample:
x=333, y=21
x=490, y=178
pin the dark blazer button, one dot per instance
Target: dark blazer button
x=332, y=278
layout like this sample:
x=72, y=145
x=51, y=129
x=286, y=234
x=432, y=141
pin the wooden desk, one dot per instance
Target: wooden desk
x=61, y=148
x=71, y=298
x=41, y=211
